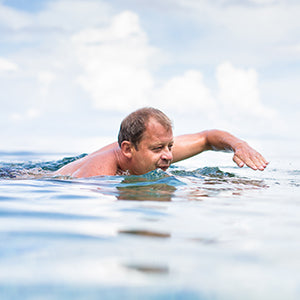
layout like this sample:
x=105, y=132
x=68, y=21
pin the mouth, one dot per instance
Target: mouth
x=164, y=168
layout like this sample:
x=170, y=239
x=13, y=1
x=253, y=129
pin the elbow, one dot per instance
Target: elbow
x=208, y=139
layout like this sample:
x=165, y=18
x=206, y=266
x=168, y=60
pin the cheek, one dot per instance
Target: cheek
x=149, y=160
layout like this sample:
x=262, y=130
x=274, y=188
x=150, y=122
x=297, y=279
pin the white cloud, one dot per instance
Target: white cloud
x=7, y=66
x=91, y=61
x=115, y=62
x=239, y=92
x=241, y=31
x=235, y=101
x=186, y=93
x=29, y=114
x=290, y=50
x=73, y=15
x=265, y=2
x=62, y=15
x=46, y=77
x=12, y=19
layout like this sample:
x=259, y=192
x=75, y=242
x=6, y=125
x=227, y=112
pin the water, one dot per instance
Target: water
x=214, y=232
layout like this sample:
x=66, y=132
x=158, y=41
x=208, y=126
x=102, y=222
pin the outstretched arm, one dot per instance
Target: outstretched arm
x=186, y=146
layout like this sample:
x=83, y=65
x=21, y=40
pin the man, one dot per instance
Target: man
x=146, y=142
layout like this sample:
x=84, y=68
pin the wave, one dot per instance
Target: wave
x=22, y=170
x=203, y=172
x=32, y=169
x=156, y=185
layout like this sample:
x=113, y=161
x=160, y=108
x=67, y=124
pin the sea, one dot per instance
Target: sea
x=205, y=229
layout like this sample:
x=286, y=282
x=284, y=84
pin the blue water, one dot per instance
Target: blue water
x=203, y=230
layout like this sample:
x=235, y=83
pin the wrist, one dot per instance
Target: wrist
x=238, y=144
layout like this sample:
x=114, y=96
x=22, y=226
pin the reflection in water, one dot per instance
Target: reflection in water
x=153, y=192
x=212, y=182
x=146, y=233
x=232, y=245
x=205, y=241
x=157, y=185
x=148, y=268
x=153, y=186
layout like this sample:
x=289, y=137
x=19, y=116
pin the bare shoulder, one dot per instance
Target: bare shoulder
x=101, y=162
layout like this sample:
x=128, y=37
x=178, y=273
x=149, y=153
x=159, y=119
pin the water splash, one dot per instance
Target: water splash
x=33, y=169
x=203, y=172
x=156, y=185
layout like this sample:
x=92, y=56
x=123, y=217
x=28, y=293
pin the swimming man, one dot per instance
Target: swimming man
x=146, y=142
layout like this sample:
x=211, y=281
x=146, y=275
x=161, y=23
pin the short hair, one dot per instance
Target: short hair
x=134, y=125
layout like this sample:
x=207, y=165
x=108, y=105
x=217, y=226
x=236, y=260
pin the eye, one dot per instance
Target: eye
x=157, y=148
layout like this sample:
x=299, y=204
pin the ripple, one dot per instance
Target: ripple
x=203, y=172
x=149, y=268
x=145, y=233
x=33, y=169
x=45, y=215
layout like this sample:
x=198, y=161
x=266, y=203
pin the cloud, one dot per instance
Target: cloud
x=291, y=50
x=244, y=32
x=13, y=19
x=46, y=78
x=115, y=63
x=73, y=15
x=63, y=16
x=7, y=66
x=239, y=92
x=74, y=61
x=186, y=93
x=233, y=102
x=29, y=114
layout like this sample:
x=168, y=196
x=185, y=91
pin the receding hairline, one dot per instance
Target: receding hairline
x=151, y=120
x=161, y=119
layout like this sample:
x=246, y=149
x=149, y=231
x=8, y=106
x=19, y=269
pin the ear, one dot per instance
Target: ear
x=126, y=148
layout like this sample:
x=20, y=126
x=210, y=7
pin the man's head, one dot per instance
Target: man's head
x=134, y=125
x=146, y=141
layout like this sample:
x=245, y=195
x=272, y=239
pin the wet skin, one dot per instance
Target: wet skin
x=154, y=150
x=158, y=149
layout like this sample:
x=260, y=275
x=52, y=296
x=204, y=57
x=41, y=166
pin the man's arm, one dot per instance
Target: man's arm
x=186, y=146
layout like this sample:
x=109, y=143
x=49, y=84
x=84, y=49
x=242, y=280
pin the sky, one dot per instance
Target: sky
x=71, y=70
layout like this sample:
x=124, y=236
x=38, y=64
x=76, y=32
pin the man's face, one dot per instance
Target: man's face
x=154, y=150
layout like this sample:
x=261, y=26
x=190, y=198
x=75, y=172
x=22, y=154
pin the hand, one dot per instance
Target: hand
x=244, y=154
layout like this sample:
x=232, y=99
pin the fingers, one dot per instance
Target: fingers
x=251, y=158
x=260, y=162
x=238, y=161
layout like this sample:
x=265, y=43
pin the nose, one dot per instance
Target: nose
x=167, y=155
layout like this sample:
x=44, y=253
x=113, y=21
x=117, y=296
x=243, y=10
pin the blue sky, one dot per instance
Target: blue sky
x=71, y=70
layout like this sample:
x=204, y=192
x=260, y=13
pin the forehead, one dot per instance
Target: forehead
x=156, y=132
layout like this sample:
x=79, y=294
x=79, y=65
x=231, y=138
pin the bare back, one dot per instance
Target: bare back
x=101, y=162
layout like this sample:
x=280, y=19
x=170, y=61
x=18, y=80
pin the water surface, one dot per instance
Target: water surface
x=195, y=232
